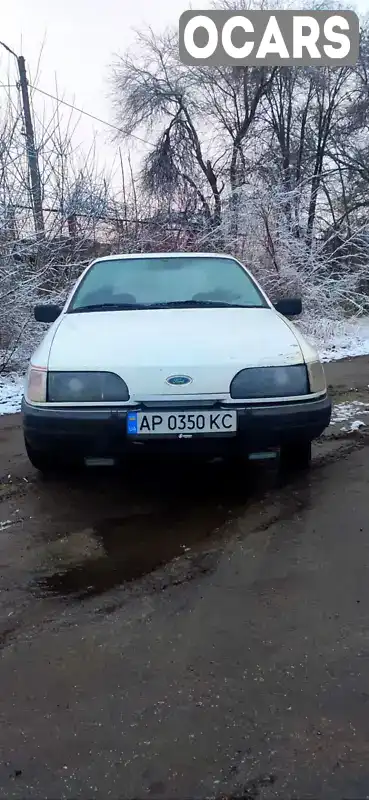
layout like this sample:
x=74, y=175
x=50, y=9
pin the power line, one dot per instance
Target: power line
x=92, y=116
x=9, y=49
x=80, y=110
x=73, y=107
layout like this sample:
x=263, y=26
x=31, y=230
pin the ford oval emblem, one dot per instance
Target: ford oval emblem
x=179, y=380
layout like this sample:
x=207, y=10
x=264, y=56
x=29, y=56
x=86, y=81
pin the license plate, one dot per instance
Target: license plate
x=187, y=423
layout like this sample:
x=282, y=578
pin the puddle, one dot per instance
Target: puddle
x=88, y=538
x=124, y=550
x=121, y=549
x=195, y=503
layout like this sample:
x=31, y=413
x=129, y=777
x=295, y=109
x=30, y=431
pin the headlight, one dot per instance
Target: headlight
x=86, y=387
x=316, y=377
x=257, y=382
x=36, y=382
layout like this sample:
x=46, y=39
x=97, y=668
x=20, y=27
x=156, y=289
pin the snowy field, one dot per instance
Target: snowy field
x=338, y=339
x=333, y=340
x=11, y=388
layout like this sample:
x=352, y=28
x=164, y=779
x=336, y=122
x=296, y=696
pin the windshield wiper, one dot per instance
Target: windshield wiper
x=153, y=306
x=106, y=307
x=197, y=304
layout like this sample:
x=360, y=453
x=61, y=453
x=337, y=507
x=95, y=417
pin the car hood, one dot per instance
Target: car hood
x=146, y=347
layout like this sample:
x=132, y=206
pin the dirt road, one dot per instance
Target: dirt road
x=182, y=634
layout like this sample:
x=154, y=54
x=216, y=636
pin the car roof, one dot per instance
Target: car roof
x=163, y=255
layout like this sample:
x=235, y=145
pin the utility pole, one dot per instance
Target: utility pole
x=32, y=158
x=34, y=171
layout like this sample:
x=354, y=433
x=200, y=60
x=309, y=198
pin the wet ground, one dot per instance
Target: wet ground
x=187, y=631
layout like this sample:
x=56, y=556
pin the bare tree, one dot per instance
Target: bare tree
x=153, y=92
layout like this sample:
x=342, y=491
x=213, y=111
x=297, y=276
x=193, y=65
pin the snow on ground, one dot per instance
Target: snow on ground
x=345, y=412
x=335, y=339
x=11, y=389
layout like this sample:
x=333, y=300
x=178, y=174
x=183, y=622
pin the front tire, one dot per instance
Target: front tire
x=295, y=457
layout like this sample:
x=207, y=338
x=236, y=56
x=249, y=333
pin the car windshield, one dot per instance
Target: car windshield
x=162, y=282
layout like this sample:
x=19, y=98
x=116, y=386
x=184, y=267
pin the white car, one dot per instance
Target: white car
x=168, y=351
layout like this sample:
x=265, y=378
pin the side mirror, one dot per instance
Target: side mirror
x=47, y=313
x=289, y=307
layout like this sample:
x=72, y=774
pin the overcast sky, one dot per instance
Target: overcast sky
x=79, y=39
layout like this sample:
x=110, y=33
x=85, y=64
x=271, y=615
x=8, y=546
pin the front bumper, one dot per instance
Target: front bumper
x=101, y=432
